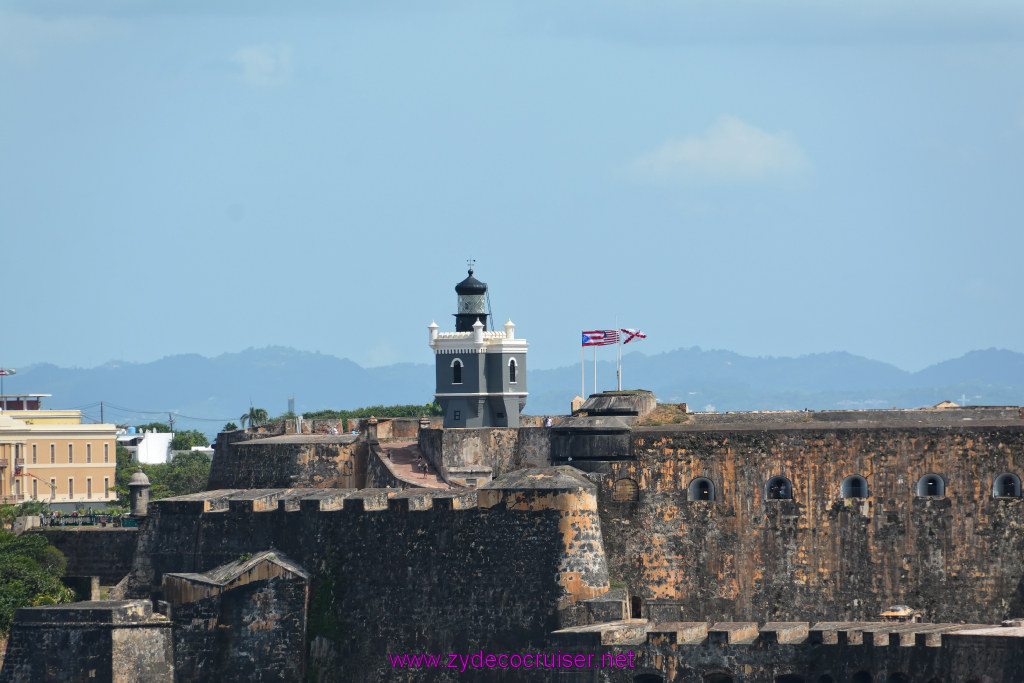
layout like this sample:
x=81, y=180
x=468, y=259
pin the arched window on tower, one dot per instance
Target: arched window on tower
x=456, y=371
x=1007, y=486
x=779, y=488
x=512, y=371
x=931, y=485
x=701, y=488
x=855, y=486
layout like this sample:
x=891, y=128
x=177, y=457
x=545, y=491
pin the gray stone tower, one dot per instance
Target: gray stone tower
x=481, y=374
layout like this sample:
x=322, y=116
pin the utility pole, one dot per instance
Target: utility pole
x=170, y=418
x=3, y=397
x=101, y=413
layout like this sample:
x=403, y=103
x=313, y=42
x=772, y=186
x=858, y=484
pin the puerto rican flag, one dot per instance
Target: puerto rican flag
x=632, y=334
x=600, y=337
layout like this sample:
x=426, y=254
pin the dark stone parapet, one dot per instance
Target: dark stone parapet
x=104, y=552
x=860, y=419
x=686, y=652
x=102, y=640
x=515, y=559
x=95, y=611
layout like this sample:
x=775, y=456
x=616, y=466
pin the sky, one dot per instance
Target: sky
x=773, y=178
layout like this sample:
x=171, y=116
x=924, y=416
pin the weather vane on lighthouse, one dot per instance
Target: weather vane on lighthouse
x=471, y=262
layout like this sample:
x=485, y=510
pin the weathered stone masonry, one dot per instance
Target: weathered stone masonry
x=290, y=460
x=798, y=652
x=245, y=620
x=89, y=641
x=818, y=556
x=106, y=553
x=401, y=571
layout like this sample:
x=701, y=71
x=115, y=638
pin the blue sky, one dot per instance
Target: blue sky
x=773, y=178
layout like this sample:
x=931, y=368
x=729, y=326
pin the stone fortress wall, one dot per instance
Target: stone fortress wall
x=520, y=564
x=814, y=556
x=800, y=652
x=818, y=555
x=103, y=552
x=400, y=571
x=288, y=460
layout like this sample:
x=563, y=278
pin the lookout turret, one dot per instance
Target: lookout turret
x=481, y=374
x=138, y=493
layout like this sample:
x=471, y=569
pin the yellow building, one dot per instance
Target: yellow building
x=50, y=456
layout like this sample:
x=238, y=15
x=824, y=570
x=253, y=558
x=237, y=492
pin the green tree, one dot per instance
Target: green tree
x=186, y=473
x=124, y=468
x=156, y=427
x=408, y=410
x=7, y=515
x=230, y=427
x=183, y=441
x=255, y=417
x=30, y=571
x=31, y=508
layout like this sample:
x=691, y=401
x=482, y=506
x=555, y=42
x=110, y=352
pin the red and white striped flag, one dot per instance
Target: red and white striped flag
x=600, y=337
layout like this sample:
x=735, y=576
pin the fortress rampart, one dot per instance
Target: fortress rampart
x=288, y=460
x=102, y=640
x=713, y=534
x=799, y=652
x=400, y=571
x=815, y=554
x=106, y=553
x=740, y=555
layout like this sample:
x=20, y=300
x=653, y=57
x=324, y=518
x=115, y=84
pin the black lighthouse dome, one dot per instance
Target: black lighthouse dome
x=472, y=303
x=471, y=285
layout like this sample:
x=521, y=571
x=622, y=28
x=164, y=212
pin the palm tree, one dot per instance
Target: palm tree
x=255, y=417
x=258, y=416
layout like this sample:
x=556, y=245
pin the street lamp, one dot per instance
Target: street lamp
x=3, y=397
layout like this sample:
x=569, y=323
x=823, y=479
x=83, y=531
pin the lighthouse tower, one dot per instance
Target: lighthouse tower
x=481, y=374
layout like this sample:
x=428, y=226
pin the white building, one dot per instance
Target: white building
x=147, y=448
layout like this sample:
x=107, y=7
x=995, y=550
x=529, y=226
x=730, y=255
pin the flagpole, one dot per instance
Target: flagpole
x=619, y=358
x=595, y=369
x=618, y=372
x=583, y=372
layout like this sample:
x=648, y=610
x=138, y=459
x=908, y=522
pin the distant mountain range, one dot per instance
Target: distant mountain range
x=204, y=393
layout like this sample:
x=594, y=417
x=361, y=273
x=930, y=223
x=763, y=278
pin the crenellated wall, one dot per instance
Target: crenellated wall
x=798, y=652
x=401, y=571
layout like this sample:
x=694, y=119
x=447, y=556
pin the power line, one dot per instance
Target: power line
x=207, y=419
x=176, y=415
x=133, y=410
